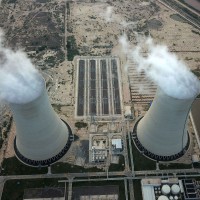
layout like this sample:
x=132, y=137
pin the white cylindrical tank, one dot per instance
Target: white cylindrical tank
x=42, y=137
x=165, y=189
x=162, y=197
x=175, y=189
x=163, y=130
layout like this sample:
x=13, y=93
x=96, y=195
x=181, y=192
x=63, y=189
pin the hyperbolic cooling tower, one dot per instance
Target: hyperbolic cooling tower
x=42, y=138
x=162, y=132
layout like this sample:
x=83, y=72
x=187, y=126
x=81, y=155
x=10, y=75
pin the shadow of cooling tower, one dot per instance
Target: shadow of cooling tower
x=162, y=134
x=42, y=138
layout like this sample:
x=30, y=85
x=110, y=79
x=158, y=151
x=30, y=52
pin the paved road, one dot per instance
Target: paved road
x=182, y=13
x=126, y=191
x=173, y=5
x=131, y=191
x=130, y=148
x=65, y=31
x=169, y=171
x=192, y=10
x=70, y=189
x=126, y=159
x=103, y=175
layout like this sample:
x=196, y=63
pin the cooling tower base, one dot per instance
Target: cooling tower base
x=49, y=161
x=153, y=156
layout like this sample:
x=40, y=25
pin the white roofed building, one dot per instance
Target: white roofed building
x=117, y=145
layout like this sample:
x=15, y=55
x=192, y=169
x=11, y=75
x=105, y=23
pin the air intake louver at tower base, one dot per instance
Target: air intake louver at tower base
x=162, y=133
x=42, y=138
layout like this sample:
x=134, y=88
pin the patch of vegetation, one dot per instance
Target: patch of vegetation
x=61, y=167
x=7, y=127
x=109, y=46
x=41, y=48
x=68, y=8
x=76, y=137
x=51, y=60
x=195, y=32
x=12, y=166
x=97, y=40
x=1, y=142
x=186, y=58
x=196, y=165
x=118, y=167
x=70, y=72
x=175, y=166
x=137, y=190
x=72, y=49
x=141, y=162
x=14, y=189
x=61, y=56
x=80, y=125
x=128, y=151
x=196, y=72
x=9, y=1
x=1, y=139
x=104, y=183
x=178, y=17
x=154, y=24
x=57, y=107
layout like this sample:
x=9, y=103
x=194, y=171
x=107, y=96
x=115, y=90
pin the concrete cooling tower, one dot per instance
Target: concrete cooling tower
x=162, y=133
x=42, y=138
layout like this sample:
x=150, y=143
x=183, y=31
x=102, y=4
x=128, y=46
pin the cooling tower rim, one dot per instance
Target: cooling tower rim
x=42, y=90
x=161, y=90
x=49, y=161
x=153, y=156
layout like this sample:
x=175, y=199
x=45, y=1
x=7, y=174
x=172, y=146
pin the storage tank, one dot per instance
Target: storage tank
x=42, y=138
x=162, y=197
x=162, y=132
x=165, y=189
x=175, y=189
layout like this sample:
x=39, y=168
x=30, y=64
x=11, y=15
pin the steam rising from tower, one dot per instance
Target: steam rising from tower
x=162, y=133
x=42, y=137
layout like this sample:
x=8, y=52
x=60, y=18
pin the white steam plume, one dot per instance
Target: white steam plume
x=123, y=40
x=164, y=68
x=108, y=14
x=126, y=24
x=20, y=82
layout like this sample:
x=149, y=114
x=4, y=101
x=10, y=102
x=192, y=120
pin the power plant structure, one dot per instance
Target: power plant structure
x=162, y=133
x=42, y=138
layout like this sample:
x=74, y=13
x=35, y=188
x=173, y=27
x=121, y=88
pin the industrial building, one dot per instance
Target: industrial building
x=104, y=142
x=98, y=148
x=117, y=146
x=105, y=192
x=170, y=189
x=44, y=194
x=191, y=189
x=42, y=138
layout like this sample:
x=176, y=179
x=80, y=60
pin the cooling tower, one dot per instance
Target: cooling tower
x=42, y=138
x=162, y=133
